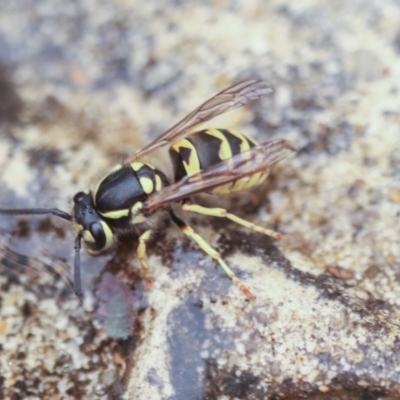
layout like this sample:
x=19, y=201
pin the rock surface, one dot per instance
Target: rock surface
x=83, y=85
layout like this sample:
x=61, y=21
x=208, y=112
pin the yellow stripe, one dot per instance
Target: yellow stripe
x=159, y=183
x=88, y=237
x=147, y=185
x=254, y=180
x=224, y=189
x=193, y=166
x=116, y=214
x=138, y=219
x=225, y=151
x=241, y=184
x=244, y=146
x=263, y=177
x=77, y=227
x=108, y=234
x=136, y=207
x=136, y=165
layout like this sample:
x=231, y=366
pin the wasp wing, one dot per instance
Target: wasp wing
x=233, y=97
x=248, y=163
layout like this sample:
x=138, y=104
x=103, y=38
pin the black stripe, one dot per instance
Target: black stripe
x=177, y=159
x=234, y=141
x=147, y=172
x=207, y=148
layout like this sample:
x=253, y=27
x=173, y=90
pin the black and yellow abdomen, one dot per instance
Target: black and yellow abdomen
x=205, y=148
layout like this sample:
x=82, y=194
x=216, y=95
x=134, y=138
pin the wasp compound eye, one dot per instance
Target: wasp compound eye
x=97, y=231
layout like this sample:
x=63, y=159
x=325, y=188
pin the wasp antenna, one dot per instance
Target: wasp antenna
x=77, y=267
x=36, y=211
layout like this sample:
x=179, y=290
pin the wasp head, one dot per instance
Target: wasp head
x=88, y=223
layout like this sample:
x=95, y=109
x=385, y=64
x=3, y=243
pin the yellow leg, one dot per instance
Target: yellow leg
x=188, y=231
x=222, y=213
x=141, y=253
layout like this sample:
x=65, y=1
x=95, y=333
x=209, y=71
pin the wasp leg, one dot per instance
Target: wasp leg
x=141, y=253
x=188, y=231
x=222, y=213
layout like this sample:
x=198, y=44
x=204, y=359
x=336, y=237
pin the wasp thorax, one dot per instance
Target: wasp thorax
x=96, y=233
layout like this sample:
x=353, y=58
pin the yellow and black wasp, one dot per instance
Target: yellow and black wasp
x=213, y=161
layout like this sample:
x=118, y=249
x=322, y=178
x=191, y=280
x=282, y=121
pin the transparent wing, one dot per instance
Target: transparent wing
x=233, y=97
x=248, y=163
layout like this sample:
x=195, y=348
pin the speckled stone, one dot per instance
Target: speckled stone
x=84, y=84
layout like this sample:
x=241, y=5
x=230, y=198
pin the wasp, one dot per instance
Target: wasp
x=215, y=161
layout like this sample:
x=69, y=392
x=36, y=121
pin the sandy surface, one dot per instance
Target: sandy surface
x=83, y=85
